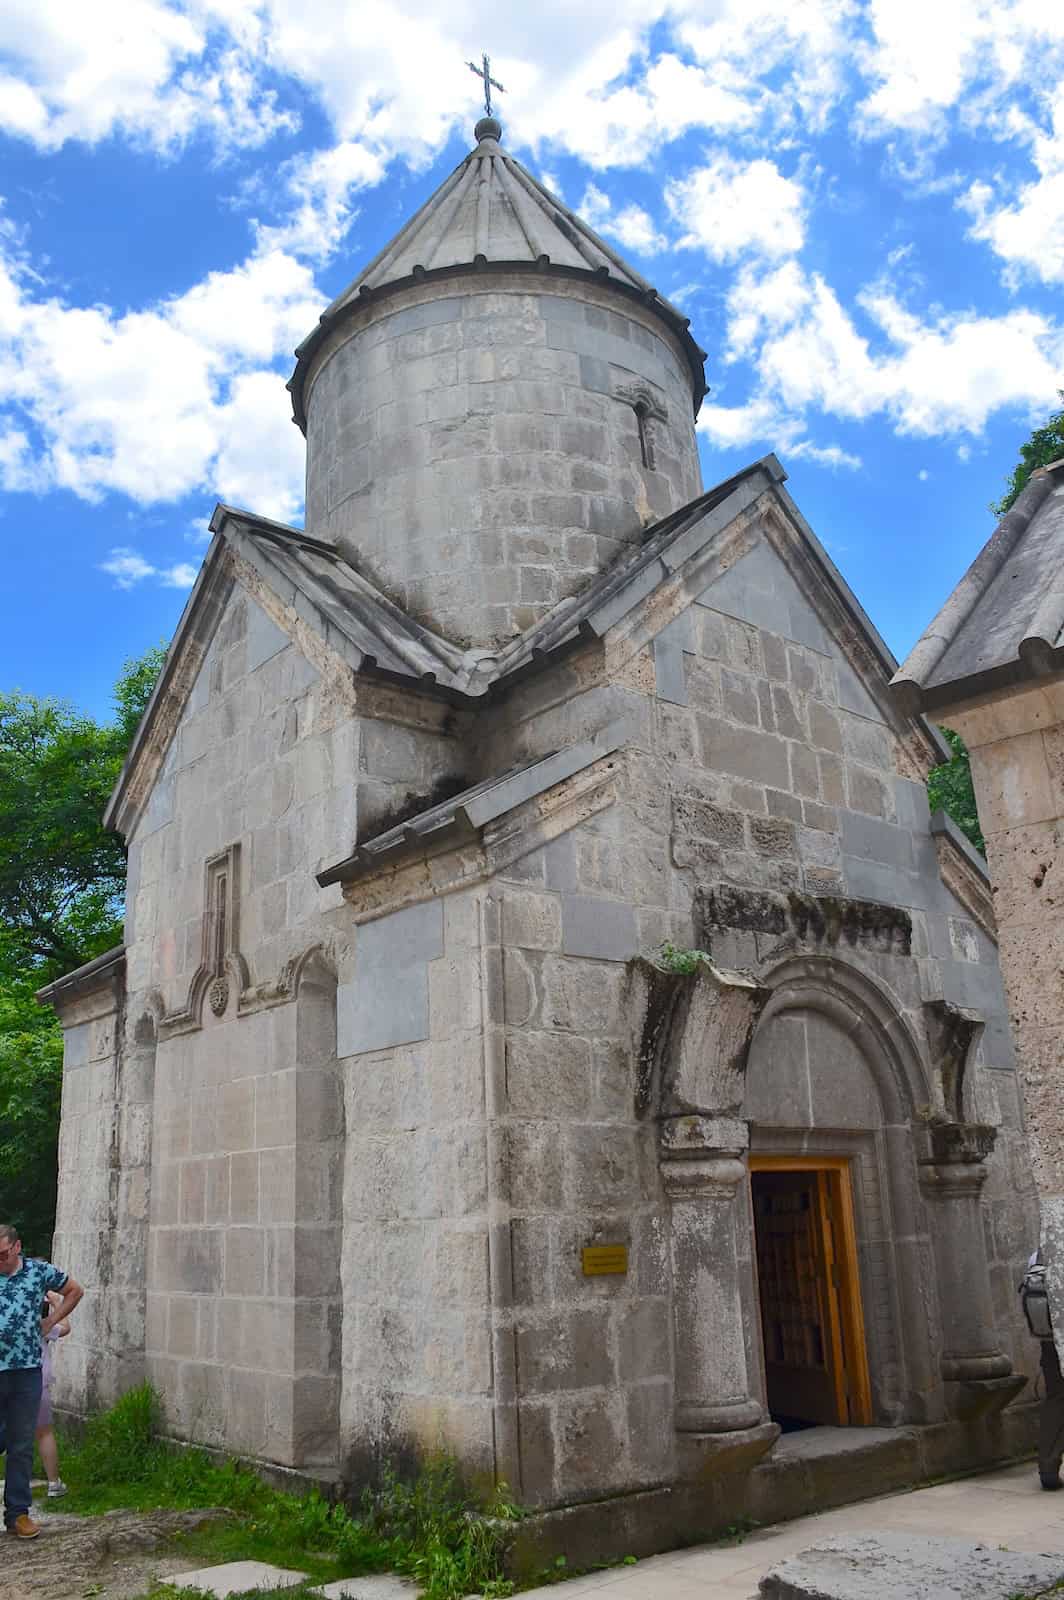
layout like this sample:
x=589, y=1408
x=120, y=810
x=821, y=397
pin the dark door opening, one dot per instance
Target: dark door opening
x=815, y=1365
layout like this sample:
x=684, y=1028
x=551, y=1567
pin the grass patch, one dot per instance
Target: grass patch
x=430, y=1529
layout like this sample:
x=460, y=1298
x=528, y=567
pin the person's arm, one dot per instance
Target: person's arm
x=62, y=1329
x=71, y=1293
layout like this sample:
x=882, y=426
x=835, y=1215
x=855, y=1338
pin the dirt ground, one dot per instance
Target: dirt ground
x=114, y=1557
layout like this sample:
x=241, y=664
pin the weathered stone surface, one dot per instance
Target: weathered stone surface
x=901, y=1566
x=236, y=1577
x=331, y=1182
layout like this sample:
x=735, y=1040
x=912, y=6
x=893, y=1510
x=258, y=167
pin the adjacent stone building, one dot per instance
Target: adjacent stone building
x=550, y=1025
x=991, y=665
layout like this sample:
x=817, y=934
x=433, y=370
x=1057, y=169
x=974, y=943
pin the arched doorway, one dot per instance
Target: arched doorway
x=831, y=1087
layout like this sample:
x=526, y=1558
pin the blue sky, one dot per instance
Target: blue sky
x=860, y=206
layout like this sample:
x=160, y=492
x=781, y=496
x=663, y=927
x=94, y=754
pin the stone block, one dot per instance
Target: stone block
x=875, y=840
x=548, y=1074
x=531, y=921
x=824, y=730
x=758, y=757
x=276, y=1108
x=604, y=1166
x=244, y=1187
x=772, y=836
x=531, y=1258
x=387, y=1001
x=187, y=1262
x=644, y=1341
x=579, y=996
x=786, y=708
x=739, y=699
x=244, y=1253
x=183, y=1325
x=651, y=1428
x=568, y=1350
x=669, y=675
x=604, y=930
x=264, y=638
x=908, y=1566
x=805, y=772
x=534, y=1161
x=591, y=1441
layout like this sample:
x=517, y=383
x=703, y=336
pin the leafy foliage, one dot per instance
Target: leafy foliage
x=1046, y=444
x=673, y=958
x=428, y=1528
x=62, y=879
x=31, y=1072
x=61, y=875
x=949, y=788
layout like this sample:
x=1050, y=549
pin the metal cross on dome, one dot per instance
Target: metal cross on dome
x=490, y=83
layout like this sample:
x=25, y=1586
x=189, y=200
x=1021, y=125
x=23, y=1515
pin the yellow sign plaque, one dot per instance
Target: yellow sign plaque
x=599, y=1259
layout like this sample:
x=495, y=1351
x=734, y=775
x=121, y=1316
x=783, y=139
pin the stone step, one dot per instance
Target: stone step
x=904, y=1566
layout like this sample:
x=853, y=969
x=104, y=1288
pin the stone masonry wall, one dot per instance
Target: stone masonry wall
x=476, y=451
x=244, y=1329
x=758, y=761
x=418, y=1372
x=104, y=1353
x=1016, y=741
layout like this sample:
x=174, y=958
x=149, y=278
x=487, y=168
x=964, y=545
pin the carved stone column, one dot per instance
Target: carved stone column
x=703, y=1167
x=696, y=1032
x=952, y=1179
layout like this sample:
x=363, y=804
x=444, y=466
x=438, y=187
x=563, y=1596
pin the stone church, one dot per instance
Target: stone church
x=550, y=1026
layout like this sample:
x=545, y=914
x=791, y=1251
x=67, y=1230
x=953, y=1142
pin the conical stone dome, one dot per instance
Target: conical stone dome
x=495, y=405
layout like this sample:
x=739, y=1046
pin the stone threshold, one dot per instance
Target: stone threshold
x=811, y=1470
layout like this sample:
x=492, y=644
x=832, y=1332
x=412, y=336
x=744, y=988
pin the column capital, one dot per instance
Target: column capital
x=955, y=1162
x=714, y=1176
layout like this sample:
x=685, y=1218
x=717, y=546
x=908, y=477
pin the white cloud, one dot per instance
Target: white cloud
x=322, y=186
x=1026, y=229
x=631, y=226
x=828, y=455
x=928, y=375
x=156, y=72
x=730, y=208
x=180, y=576
x=764, y=420
x=128, y=568
x=392, y=77
x=153, y=403
x=923, y=475
x=968, y=56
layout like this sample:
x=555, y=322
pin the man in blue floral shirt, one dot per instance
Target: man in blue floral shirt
x=23, y=1283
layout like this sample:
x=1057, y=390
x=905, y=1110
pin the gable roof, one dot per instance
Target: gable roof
x=1004, y=622
x=492, y=214
x=377, y=639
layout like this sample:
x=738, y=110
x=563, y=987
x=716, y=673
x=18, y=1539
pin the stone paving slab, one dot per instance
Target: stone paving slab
x=905, y=1566
x=1004, y=1507
x=234, y=1577
x=382, y=1586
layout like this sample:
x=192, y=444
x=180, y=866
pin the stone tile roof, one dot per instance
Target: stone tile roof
x=1004, y=621
x=491, y=214
x=475, y=807
x=376, y=637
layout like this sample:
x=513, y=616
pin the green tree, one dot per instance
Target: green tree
x=62, y=880
x=62, y=876
x=1045, y=445
x=949, y=788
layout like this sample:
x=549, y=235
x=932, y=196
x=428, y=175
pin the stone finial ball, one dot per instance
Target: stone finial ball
x=488, y=128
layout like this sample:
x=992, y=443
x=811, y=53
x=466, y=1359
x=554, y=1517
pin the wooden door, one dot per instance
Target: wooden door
x=815, y=1365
